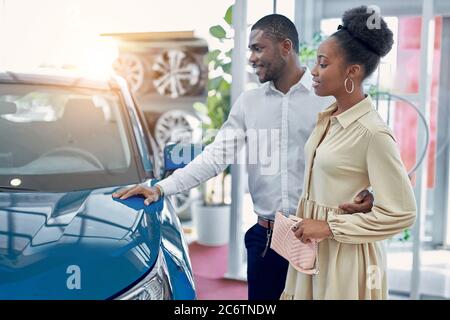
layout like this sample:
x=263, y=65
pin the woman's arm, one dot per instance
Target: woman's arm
x=394, y=208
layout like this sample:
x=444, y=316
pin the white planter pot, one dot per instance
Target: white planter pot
x=212, y=223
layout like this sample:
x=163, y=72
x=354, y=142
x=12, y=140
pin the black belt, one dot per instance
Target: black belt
x=268, y=224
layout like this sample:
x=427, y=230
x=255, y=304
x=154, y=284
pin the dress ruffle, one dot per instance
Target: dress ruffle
x=309, y=209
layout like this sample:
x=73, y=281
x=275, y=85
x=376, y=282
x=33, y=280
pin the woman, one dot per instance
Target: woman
x=350, y=149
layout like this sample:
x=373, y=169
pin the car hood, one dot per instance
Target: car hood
x=75, y=245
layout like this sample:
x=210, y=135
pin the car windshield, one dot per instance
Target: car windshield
x=63, y=139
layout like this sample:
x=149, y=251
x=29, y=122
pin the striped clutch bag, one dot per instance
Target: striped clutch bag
x=302, y=256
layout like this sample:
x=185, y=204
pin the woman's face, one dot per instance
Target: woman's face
x=329, y=73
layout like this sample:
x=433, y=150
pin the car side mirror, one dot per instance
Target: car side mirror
x=7, y=107
x=178, y=155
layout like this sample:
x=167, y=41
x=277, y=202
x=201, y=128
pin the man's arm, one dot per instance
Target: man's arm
x=213, y=160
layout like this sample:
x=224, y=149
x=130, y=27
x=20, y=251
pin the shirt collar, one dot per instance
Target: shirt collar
x=351, y=115
x=305, y=82
x=327, y=112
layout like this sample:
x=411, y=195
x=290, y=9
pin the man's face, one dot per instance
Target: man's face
x=266, y=57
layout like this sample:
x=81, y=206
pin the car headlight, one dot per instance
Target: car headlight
x=155, y=286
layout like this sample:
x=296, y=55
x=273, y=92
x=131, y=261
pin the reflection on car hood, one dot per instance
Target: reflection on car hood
x=48, y=239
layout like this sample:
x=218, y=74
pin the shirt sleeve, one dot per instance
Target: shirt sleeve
x=394, y=208
x=215, y=157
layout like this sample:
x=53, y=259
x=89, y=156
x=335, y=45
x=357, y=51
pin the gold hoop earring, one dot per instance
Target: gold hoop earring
x=345, y=85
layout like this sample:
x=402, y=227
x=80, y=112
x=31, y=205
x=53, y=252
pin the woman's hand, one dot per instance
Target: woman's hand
x=309, y=229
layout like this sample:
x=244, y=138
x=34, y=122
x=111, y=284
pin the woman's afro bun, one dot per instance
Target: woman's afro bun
x=366, y=24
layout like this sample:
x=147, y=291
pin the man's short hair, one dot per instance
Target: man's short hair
x=279, y=28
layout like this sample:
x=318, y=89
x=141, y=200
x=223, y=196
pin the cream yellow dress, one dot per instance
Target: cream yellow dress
x=356, y=152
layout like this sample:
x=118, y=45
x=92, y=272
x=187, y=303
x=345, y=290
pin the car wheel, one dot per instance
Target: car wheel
x=135, y=71
x=178, y=126
x=176, y=73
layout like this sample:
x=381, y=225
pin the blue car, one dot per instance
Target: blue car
x=66, y=144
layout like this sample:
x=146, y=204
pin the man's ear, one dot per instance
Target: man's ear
x=286, y=46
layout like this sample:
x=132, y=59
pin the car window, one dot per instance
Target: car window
x=59, y=131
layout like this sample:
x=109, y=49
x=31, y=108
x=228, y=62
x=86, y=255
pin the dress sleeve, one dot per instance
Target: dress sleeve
x=394, y=208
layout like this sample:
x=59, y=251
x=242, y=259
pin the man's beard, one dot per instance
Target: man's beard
x=273, y=71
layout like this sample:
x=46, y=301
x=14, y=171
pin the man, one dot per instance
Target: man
x=286, y=108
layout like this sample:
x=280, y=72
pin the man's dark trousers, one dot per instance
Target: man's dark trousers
x=266, y=275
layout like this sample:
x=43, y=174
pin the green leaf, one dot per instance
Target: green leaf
x=229, y=53
x=212, y=55
x=227, y=68
x=217, y=64
x=406, y=234
x=200, y=107
x=229, y=15
x=213, y=100
x=214, y=83
x=317, y=38
x=218, y=32
x=224, y=87
x=215, y=120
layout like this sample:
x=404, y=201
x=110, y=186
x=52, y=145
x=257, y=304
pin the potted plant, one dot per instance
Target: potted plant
x=211, y=214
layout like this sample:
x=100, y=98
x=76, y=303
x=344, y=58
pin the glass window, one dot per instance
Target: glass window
x=47, y=132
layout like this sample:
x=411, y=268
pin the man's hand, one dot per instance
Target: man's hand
x=151, y=194
x=363, y=202
x=309, y=229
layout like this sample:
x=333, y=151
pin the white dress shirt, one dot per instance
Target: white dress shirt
x=274, y=127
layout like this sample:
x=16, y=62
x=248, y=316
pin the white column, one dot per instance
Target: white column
x=425, y=80
x=3, y=30
x=236, y=266
x=308, y=14
x=444, y=106
x=441, y=223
